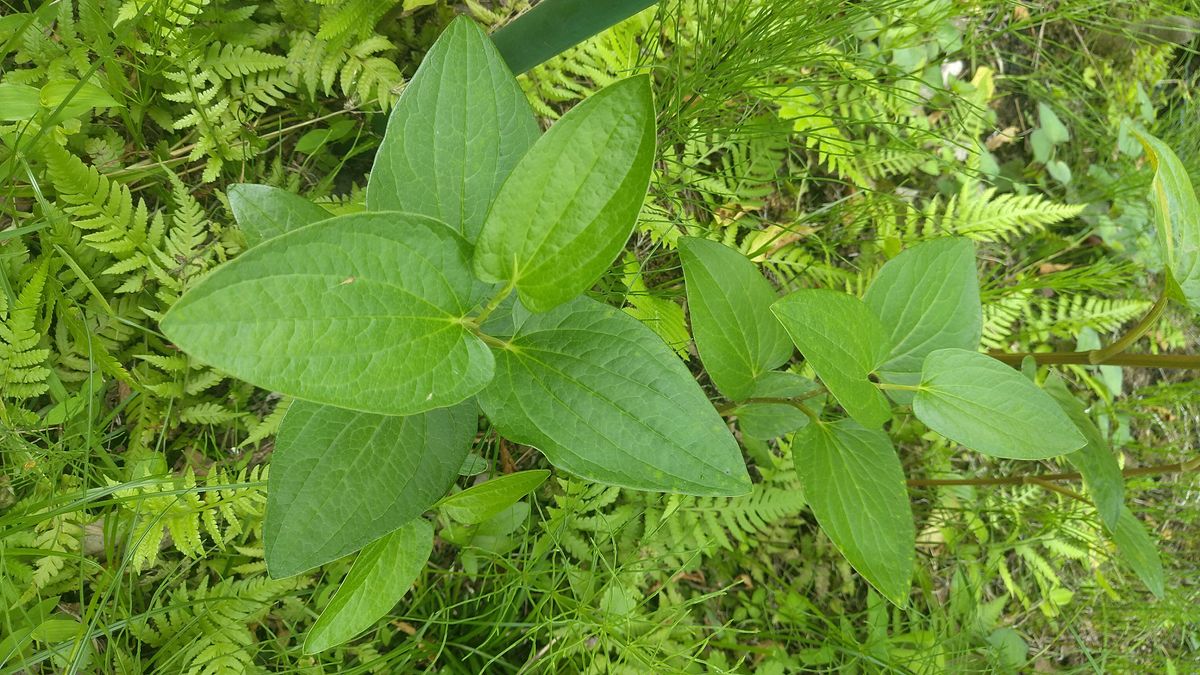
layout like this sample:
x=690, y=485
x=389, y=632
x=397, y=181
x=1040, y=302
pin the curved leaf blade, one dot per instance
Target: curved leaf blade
x=927, y=298
x=1177, y=218
x=484, y=501
x=572, y=201
x=844, y=342
x=264, y=212
x=341, y=478
x=855, y=486
x=606, y=399
x=363, y=311
x=457, y=131
x=729, y=301
x=1136, y=547
x=1095, y=461
x=379, y=578
x=977, y=401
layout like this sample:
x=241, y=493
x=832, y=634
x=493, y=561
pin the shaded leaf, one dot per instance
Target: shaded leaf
x=341, y=478
x=1177, y=218
x=772, y=420
x=1138, y=550
x=1095, y=461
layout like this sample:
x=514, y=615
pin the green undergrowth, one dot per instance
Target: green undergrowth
x=818, y=139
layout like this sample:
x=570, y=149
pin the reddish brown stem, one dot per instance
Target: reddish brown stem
x=1155, y=470
x=1176, y=361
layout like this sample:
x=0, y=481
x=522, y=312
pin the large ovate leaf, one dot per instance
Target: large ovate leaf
x=459, y=128
x=1177, y=219
x=981, y=403
x=729, y=302
x=844, y=343
x=855, y=486
x=927, y=298
x=379, y=578
x=483, y=501
x=1136, y=547
x=341, y=478
x=263, y=212
x=364, y=311
x=572, y=201
x=1095, y=461
x=605, y=398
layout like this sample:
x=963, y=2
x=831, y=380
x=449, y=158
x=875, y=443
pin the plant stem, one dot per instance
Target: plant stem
x=903, y=387
x=1098, y=356
x=493, y=303
x=1114, y=354
x=1040, y=479
x=795, y=401
x=1177, y=361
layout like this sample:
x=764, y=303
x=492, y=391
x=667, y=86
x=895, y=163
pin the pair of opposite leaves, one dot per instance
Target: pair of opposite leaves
x=369, y=320
x=917, y=326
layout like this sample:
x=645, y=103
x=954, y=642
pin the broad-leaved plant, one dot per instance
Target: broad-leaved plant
x=461, y=290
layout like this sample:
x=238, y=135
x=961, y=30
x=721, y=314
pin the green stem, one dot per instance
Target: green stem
x=493, y=303
x=794, y=401
x=1175, y=361
x=902, y=387
x=1098, y=356
x=489, y=340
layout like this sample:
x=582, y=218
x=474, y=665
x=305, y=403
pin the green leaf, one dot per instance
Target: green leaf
x=1095, y=461
x=571, y=203
x=264, y=212
x=379, y=578
x=76, y=97
x=363, y=311
x=1042, y=147
x=319, y=138
x=927, y=298
x=1137, y=549
x=1059, y=170
x=1056, y=132
x=18, y=102
x=483, y=501
x=977, y=401
x=772, y=420
x=554, y=26
x=844, y=342
x=854, y=483
x=457, y=131
x=341, y=479
x=604, y=398
x=1177, y=217
x=729, y=301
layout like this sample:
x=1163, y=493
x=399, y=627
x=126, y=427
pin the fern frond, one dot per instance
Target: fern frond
x=23, y=373
x=185, y=511
x=984, y=215
x=209, y=627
